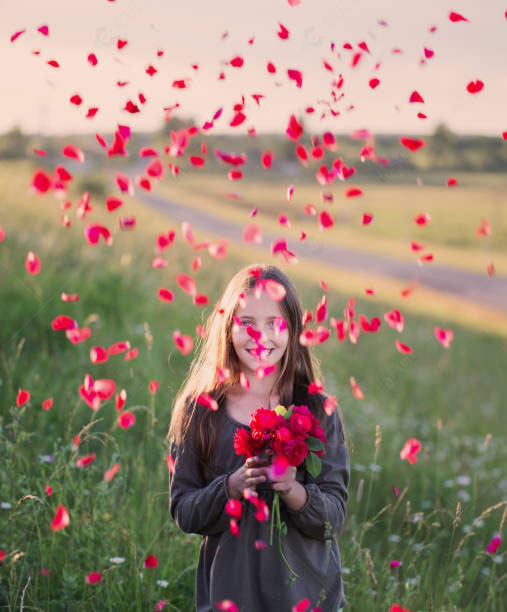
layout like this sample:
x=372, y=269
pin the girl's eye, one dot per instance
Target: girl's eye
x=248, y=322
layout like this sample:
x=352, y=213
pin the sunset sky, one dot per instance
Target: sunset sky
x=36, y=96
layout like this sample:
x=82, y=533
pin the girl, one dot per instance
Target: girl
x=207, y=471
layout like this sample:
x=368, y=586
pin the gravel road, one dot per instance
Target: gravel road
x=476, y=287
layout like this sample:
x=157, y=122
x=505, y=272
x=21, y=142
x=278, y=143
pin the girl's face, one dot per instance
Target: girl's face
x=260, y=314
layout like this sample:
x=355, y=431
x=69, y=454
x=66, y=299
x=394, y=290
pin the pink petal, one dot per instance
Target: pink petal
x=301, y=606
x=183, y=342
x=17, y=35
x=252, y=233
x=61, y=518
x=94, y=231
x=98, y=354
x=41, y=182
x=227, y=605
x=454, y=17
x=22, y=397
x=76, y=99
x=237, y=61
x=32, y=263
x=283, y=33
x=413, y=144
x=325, y=220
x=124, y=183
x=494, y=545
x=403, y=348
x=73, y=152
x=475, y=86
x=78, y=335
x=415, y=96
x=267, y=159
x=165, y=295
x=294, y=129
x=206, y=400
x=295, y=75
x=63, y=322
x=126, y=419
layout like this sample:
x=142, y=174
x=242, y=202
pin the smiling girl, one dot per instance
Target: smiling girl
x=252, y=357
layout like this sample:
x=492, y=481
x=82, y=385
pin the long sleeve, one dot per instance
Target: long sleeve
x=195, y=506
x=328, y=492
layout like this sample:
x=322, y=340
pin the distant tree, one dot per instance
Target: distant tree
x=443, y=148
x=13, y=144
x=174, y=124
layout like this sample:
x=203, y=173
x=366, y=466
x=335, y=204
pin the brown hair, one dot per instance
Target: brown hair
x=299, y=366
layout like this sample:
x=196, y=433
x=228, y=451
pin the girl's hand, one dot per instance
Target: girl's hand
x=248, y=476
x=285, y=482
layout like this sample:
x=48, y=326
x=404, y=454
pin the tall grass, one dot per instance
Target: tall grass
x=447, y=507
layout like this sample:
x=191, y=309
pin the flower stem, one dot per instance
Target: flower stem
x=273, y=507
x=276, y=510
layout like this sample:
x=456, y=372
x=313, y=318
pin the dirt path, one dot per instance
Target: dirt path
x=488, y=291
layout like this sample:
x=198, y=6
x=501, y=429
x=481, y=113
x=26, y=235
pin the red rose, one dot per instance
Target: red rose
x=244, y=444
x=263, y=422
x=300, y=424
x=283, y=434
x=302, y=410
x=295, y=450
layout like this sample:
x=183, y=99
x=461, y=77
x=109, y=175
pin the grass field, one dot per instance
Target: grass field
x=451, y=502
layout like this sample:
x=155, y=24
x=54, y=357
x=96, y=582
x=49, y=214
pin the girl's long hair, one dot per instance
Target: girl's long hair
x=199, y=426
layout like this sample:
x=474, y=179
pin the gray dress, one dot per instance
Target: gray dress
x=233, y=568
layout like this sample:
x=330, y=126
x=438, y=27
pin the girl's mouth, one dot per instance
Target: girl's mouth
x=264, y=353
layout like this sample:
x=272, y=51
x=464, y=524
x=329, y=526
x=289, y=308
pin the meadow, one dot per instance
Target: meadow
x=436, y=517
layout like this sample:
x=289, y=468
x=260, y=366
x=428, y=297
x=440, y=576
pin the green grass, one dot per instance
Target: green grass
x=448, y=399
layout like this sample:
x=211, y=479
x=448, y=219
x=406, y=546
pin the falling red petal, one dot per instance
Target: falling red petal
x=413, y=144
x=17, y=35
x=283, y=33
x=295, y=75
x=415, y=96
x=475, y=86
x=294, y=129
x=237, y=61
x=32, y=263
x=76, y=99
x=61, y=518
x=403, y=348
x=22, y=397
x=353, y=192
x=454, y=17
x=73, y=152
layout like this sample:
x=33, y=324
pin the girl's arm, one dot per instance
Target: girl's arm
x=328, y=493
x=195, y=506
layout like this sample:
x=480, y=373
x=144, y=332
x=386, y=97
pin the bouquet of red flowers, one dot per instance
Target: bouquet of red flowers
x=294, y=436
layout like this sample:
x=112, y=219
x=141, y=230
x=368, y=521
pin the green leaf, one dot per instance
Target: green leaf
x=314, y=444
x=281, y=410
x=288, y=414
x=313, y=464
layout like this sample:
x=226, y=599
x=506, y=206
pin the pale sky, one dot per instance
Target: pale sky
x=36, y=96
